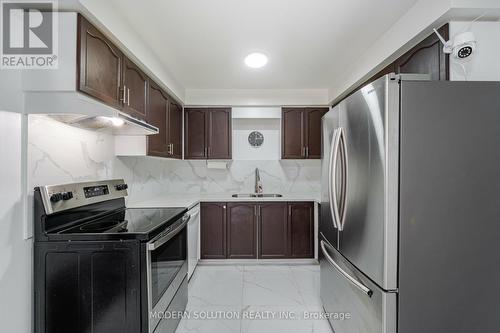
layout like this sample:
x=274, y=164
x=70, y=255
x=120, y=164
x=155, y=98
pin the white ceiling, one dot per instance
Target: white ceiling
x=309, y=42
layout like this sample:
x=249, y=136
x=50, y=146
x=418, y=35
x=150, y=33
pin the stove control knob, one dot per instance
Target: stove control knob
x=56, y=197
x=67, y=195
x=121, y=187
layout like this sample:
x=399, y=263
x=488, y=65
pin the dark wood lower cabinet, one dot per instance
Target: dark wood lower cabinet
x=301, y=229
x=243, y=230
x=273, y=231
x=213, y=230
x=242, y=233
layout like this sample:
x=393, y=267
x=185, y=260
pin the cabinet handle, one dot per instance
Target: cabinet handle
x=307, y=151
x=123, y=99
x=171, y=149
x=303, y=151
x=128, y=96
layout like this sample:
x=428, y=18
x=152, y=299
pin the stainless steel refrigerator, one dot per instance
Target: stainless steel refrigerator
x=410, y=212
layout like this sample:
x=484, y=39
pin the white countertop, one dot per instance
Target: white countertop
x=191, y=200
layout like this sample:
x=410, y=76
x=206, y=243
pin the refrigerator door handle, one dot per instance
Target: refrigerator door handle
x=333, y=178
x=332, y=186
x=345, y=168
x=352, y=280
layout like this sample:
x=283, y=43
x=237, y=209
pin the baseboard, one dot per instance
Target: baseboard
x=258, y=262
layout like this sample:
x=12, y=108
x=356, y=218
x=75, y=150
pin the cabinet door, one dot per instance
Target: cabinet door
x=213, y=230
x=427, y=58
x=220, y=135
x=301, y=229
x=175, y=129
x=157, y=116
x=313, y=131
x=195, y=133
x=99, y=65
x=241, y=231
x=273, y=231
x=69, y=274
x=292, y=133
x=135, y=85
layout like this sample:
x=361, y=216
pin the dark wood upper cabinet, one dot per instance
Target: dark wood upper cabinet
x=165, y=114
x=195, y=133
x=175, y=129
x=213, y=230
x=301, y=229
x=208, y=133
x=426, y=58
x=241, y=230
x=273, y=230
x=292, y=137
x=313, y=131
x=99, y=65
x=107, y=75
x=157, y=115
x=220, y=134
x=301, y=133
x=135, y=89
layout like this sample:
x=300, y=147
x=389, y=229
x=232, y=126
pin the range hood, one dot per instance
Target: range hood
x=120, y=124
x=79, y=110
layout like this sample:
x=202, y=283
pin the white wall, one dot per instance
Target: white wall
x=256, y=97
x=270, y=149
x=15, y=252
x=485, y=64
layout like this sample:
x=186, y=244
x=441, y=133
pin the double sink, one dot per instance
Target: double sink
x=257, y=195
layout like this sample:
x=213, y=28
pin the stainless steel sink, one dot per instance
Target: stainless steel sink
x=255, y=195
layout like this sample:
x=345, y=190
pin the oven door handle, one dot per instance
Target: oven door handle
x=168, y=235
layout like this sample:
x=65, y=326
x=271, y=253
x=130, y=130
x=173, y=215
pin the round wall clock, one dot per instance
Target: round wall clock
x=255, y=139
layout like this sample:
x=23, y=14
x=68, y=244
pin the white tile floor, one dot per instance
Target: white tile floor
x=252, y=291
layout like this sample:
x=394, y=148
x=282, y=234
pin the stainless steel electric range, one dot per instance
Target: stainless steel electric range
x=102, y=267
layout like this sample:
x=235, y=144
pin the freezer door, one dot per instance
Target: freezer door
x=327, y=225
x=450, y=207
x=369, y=121
x=353, y=303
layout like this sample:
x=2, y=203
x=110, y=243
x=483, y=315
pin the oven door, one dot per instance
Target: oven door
x=166, y=258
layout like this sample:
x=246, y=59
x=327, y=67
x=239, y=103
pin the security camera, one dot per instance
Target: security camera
x=462, y=47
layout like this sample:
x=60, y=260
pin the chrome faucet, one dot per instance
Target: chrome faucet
x=258, y=182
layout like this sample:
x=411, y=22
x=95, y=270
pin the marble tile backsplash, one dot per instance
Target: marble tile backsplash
x=60, y=153
x=149, y=176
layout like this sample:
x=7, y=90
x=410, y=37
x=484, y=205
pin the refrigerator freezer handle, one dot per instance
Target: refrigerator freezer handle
x=352, y=280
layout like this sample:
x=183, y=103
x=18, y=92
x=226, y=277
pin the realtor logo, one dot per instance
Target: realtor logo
x=29, y=39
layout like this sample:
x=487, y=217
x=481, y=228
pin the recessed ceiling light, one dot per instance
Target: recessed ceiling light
x=256, y=60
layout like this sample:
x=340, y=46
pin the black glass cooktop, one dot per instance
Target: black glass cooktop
x=131, y=220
